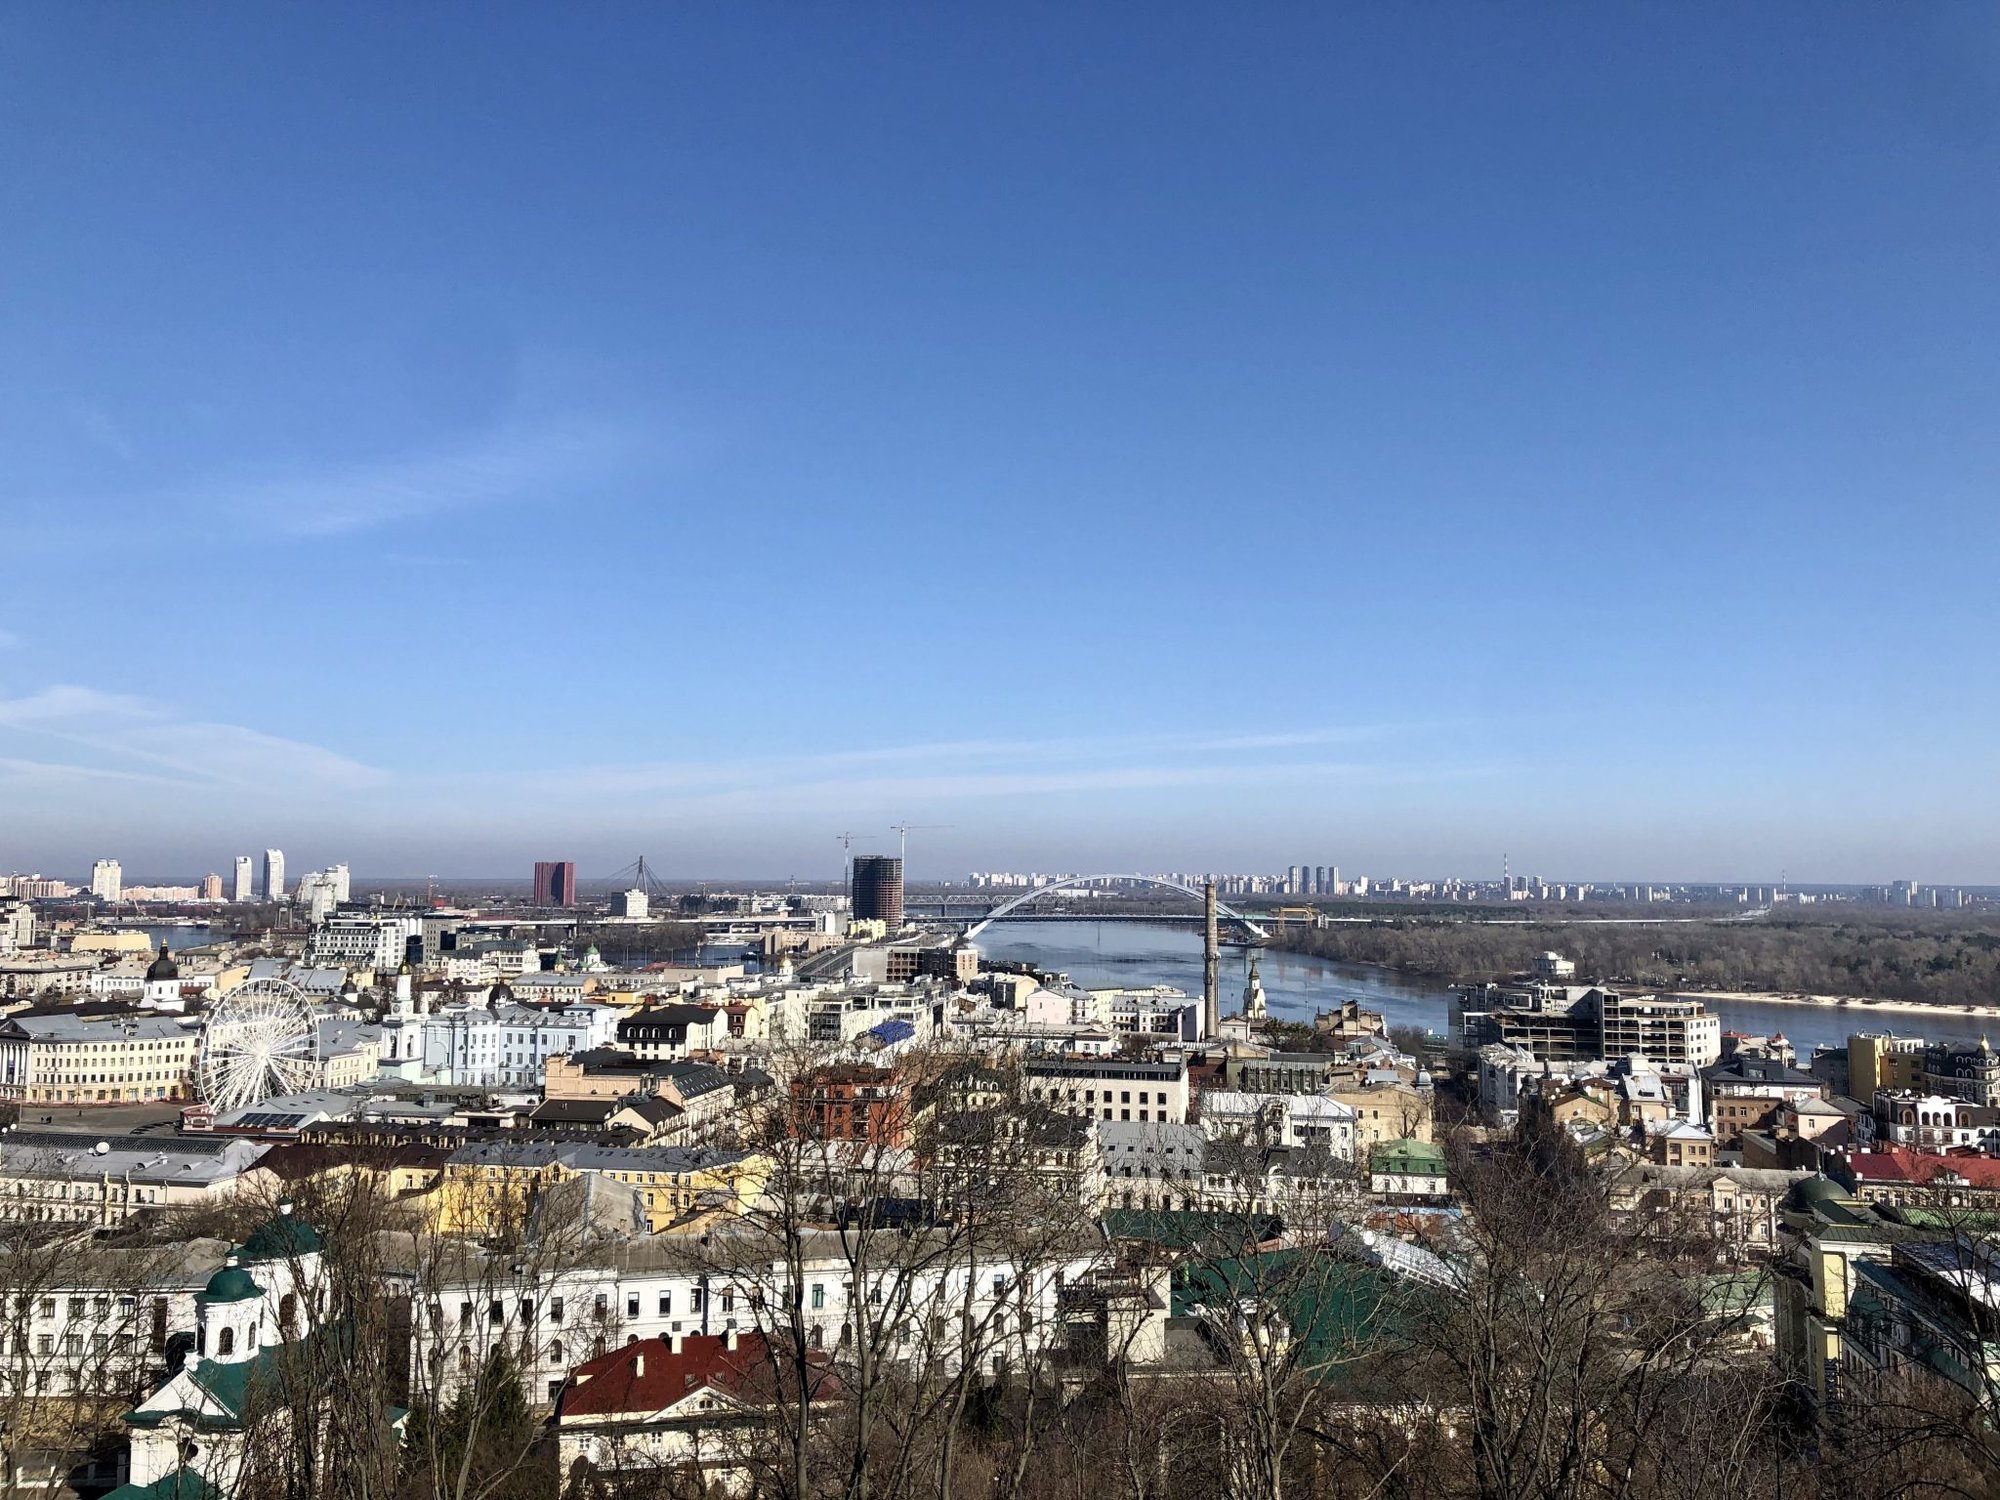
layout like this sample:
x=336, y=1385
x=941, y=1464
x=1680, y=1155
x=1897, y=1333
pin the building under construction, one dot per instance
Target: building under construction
x=878, y=889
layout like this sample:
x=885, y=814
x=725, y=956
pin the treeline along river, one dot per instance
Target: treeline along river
x=1097, y=955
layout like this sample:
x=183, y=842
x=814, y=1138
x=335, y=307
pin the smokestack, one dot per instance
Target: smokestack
x=1211, y=985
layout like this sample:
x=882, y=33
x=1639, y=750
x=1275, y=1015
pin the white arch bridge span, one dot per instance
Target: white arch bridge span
x=1016, y=907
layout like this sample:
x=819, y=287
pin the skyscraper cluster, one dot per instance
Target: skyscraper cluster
x=1313, y=880
x=107, y=882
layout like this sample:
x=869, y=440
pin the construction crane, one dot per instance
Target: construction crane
x=847, y=860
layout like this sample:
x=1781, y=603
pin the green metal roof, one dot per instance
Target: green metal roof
x=1406, y=1156
x=1921, y=1216
x=283, y=1238
x=179, y=1484
x=1338, y=1306
x=1181, y=1229
x=228, y=1385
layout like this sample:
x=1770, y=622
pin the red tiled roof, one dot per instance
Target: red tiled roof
x=642, y=1378
x=1902, y=1165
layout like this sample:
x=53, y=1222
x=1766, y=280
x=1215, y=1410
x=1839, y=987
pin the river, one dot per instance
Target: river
x=1101, y=954
x=175, y=936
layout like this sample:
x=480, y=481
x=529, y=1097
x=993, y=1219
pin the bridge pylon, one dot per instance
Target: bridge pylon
x=1211, y=961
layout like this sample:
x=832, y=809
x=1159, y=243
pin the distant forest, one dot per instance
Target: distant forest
x=1943, y=960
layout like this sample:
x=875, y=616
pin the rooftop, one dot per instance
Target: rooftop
x=1407, y=1155
x=581, y=1156
x=1919, y=1168
x=651, y=1376
x=1752, y=1070
x=1103, y=1067
x=153, y=1160
x=67, y=1026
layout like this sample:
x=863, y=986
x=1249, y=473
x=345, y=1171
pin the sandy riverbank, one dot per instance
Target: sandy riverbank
x=1848, y=1002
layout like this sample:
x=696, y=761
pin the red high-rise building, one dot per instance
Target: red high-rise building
x=555, y=882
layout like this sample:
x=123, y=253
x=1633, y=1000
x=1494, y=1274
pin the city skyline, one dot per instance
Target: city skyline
x=1419, y=435
x=1264, y=879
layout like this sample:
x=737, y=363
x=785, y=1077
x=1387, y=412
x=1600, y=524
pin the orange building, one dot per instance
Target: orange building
x=851, y=1102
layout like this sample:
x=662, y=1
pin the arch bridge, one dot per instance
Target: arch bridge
x=1013, y=907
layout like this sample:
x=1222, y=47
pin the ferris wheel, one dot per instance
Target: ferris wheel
x=260, y=1040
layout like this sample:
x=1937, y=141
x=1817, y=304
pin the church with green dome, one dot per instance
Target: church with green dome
x=190, y=1437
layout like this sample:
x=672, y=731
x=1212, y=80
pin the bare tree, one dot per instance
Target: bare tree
x=1572, y=1353
x=907, y=1274
x=1288, y=1312
x=1915, y=1410
x=486, y=1318
x=321, y=1412
x=83, y=1333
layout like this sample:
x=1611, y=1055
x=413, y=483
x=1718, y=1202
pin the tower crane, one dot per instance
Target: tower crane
x=847, y=859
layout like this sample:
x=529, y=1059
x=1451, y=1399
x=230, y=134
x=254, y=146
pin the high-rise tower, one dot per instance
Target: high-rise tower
x=878, y=889
x=555, y=882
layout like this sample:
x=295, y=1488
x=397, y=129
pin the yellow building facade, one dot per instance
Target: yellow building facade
x=499, y=1184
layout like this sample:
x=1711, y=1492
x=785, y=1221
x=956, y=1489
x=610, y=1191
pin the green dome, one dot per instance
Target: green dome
x=1813, y=1190
x=231, y=1284
x=283, y=1238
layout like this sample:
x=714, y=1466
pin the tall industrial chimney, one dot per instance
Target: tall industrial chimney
x=1211, y=957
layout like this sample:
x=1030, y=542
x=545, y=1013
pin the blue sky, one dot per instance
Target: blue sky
x=1178, y=436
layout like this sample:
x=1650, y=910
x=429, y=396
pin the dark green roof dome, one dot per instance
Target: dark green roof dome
x=1813, y=1190
x=283, y=1238
x=231, y=1284
x=164, y=966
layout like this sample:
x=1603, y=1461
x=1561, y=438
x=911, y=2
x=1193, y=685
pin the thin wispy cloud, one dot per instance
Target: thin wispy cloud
x=123, y=736
x=548, y=460
x=975, y=786
x=70, y=751
x=499, y=468
x=17, y=772
x=9, y=641
x=1126, y=753
x=102, y=432
x=938, y=772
